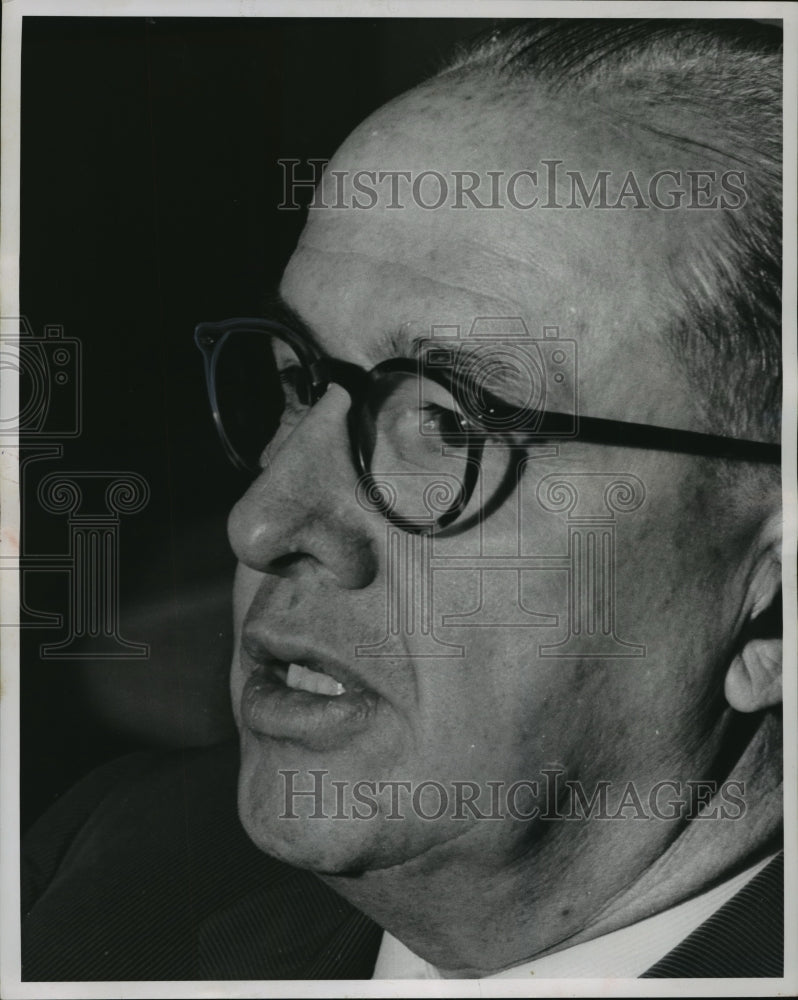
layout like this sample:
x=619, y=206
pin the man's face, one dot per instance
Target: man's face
x=317, y=573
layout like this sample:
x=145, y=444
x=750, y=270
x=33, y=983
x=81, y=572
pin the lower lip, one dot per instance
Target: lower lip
x=270, y=709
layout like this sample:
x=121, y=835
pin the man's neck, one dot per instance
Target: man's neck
x=579, y=881
x=709, y=850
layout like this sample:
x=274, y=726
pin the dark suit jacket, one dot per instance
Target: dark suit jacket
x=143, y=872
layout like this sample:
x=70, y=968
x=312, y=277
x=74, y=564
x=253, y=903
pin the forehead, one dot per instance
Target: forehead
x=359, y=275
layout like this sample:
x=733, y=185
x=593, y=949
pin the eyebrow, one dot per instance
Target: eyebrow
x=276, y=308
x=395, y=343
x=499, y=380
x=399, y=342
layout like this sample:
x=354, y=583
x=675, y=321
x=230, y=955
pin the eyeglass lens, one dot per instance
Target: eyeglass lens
x=412, y=434
x=259, y=383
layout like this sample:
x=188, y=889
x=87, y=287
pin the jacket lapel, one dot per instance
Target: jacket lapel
x=744, y=939
x=297, y=929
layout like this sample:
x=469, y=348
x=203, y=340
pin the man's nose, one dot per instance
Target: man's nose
x=301, y=514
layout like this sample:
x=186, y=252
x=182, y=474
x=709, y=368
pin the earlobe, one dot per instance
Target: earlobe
x=753, y=680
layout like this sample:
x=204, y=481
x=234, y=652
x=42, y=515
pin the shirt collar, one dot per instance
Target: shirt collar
x=622, y=954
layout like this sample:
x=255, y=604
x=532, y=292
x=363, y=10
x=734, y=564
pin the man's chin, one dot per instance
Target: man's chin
x=291, y=814
x=310, y=817
x=326, y=846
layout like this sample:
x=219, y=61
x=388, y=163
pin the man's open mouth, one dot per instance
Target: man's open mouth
x=302, y=694
x=301, y=678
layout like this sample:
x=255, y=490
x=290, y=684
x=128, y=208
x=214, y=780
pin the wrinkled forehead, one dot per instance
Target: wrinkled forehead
x=371, y=263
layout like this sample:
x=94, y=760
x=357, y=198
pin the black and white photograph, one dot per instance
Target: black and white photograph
x=398, y=433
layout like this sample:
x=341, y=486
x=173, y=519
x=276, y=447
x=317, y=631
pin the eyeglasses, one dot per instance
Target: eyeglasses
x=422, y=432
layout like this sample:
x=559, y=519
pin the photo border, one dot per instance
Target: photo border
x=10, y=984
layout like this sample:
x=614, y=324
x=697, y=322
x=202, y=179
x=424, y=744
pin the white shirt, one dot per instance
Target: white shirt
x=623, y=954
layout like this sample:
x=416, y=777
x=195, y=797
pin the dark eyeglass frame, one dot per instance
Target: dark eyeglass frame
x=358, y=382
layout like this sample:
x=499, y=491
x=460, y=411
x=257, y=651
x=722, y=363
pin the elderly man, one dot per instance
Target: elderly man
x=505, y=673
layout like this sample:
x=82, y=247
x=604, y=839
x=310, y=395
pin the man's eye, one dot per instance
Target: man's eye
x=449, y=426
x=296, y=389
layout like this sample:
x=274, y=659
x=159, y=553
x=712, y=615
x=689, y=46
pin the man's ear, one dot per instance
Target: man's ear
x=753, y=680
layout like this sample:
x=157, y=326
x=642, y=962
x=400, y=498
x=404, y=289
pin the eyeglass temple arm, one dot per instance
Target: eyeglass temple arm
x=594, y=429
x=648, y=436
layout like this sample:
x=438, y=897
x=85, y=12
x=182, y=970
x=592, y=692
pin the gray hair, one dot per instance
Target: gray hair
x=724, y=78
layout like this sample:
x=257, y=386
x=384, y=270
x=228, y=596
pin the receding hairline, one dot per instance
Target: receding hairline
x=723, y=78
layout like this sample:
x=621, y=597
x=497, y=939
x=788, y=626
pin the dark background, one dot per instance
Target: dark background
x=150, y=186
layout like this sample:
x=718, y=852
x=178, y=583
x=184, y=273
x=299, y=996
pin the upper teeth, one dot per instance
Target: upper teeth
x=302, y=679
